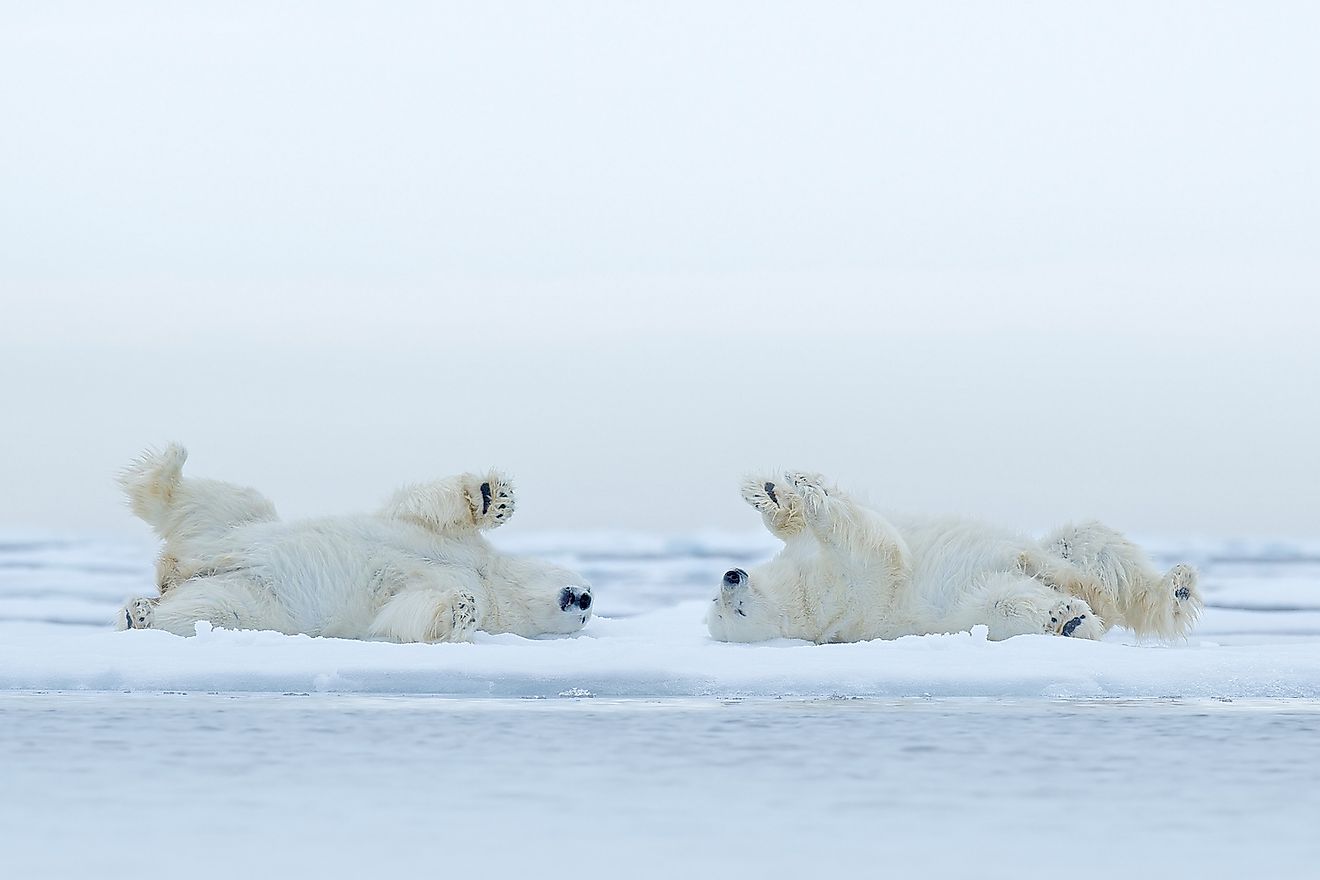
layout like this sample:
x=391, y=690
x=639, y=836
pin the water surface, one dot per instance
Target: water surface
x=133, y=785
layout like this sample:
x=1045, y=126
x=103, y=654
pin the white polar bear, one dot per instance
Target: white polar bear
x=847, y=574
x=417, y=571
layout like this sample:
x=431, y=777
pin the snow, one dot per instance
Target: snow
x=639, y=746
x=1259, y=638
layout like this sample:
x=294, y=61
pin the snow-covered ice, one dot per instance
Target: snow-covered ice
x=1259, y=638
x=641, y=747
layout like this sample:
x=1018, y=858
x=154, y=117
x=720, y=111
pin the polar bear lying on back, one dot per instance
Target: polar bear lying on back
x=847, y=574
x=417, y=571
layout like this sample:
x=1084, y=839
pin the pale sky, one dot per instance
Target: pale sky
x=1029, y=262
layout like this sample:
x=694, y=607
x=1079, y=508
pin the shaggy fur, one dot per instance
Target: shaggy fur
x=847, y=574
x=417, y=571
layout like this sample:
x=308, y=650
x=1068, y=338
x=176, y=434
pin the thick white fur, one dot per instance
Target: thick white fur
x=847, y=574
x=417, y=571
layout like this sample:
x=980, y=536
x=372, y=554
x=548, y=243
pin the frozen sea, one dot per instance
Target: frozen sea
x=640, y=747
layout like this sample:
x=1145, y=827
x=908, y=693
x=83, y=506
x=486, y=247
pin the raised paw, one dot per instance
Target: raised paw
x=1074, y=618
x=138, y=614
x=1181, y=581
x=491, y=500
x=779, y=504
x=811, y=487
x=766, y=495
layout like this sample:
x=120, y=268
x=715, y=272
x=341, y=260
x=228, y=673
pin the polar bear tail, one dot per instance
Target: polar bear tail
x=151, y=482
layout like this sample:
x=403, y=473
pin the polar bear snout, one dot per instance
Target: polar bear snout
x=574, y=598
x=735, y=577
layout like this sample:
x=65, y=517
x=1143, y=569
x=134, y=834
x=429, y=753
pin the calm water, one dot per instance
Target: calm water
x=135, y=785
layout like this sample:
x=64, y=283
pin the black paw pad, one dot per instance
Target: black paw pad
x=1183, y=593
x=485, y=497
x=1071, y=626
x=770, y=491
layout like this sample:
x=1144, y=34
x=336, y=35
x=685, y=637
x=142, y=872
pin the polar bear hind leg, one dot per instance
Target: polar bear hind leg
x=848, y=530
x=224, y=601
x=455, y=504
x=1133, y=593
x=1012, y=604
x=188, y=513
x=183, y=509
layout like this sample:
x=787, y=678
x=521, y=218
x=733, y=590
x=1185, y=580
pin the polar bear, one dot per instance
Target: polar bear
x=419, y=570
x=847, y=574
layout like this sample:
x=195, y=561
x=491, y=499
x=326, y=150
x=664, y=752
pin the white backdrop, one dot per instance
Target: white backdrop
x=1012, y=260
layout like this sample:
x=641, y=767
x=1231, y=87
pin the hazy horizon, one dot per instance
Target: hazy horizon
x=1026, y=263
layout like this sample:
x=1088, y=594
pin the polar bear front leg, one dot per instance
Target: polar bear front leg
x=427, y=615
x=461, y=503
x=832, y=517
x=851, y=532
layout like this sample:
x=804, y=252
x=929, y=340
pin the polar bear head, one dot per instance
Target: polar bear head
x=530, y=597
x=743, y=609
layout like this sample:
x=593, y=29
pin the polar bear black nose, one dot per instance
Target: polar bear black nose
x=574, y=598
x=734, y=576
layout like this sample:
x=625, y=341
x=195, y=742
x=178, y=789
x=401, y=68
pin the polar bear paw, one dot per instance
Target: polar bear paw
x=777, y=502
x=455, y=619
x=765, y=494
x=464, y=617
x=1074, y=618
x=491, y=499
x=138, y=614
x=811, y=488
x=1181, y=581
